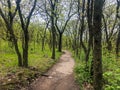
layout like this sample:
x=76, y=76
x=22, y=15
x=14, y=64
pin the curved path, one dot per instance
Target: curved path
x=59, y=77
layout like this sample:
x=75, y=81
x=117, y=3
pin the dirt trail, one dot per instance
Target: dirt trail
x=60, y=76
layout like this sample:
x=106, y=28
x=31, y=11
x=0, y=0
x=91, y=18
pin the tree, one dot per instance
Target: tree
x=25, y=25
x=118, y=42
x=110, y=23
x=48, y=13
x=90, y=26
x=97, y=52
x=62, y=19
x=82, y=26
x=53, y=4
x=118, y=37
x=8, y=19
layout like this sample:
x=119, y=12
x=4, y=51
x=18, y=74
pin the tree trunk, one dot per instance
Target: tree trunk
x=53, y=37
x=43, y=39
x=42, y=44
x=53, y=45
x=15, y=45
x=118, y=43
x=20, y=64
x=109, y=45
x=9, y=25
x=97, y=52
x=24, y=26
x=90, y=26
x=25, y=49
x=60, y=42
x=53, y=29
x=82, y=27
x=50, y=41
x=118, y=37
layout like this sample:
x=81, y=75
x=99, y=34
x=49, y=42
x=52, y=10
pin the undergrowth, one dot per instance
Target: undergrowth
x=13, y=77
x=111, y=70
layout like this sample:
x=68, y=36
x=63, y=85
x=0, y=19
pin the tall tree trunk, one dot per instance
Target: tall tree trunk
x=97, y=52
x=118, y=37
x=118, y=43
x=82, y=27
x=53, y=29
x=43, y=44
x=25, y=25
x=50, y=41
x=109, y=45
x=60, y=42
x=20, y=64
x=43, y=38
x=90, y=26
x=53, y=37
x=16, y=47
x=53, y=45
x=25, y=49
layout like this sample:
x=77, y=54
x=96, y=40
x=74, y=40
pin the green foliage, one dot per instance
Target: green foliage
x=111, y=71
x=82, y=72
x=112, y=80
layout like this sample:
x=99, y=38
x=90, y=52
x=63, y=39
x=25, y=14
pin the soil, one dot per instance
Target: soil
x=59, y=77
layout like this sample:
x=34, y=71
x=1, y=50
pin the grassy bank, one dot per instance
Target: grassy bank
x=13, y=77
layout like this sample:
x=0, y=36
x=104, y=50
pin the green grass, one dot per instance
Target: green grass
x=111, y=71
x=12, y=76
x=82, y=74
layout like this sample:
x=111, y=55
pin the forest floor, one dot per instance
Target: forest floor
x=59, y=77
